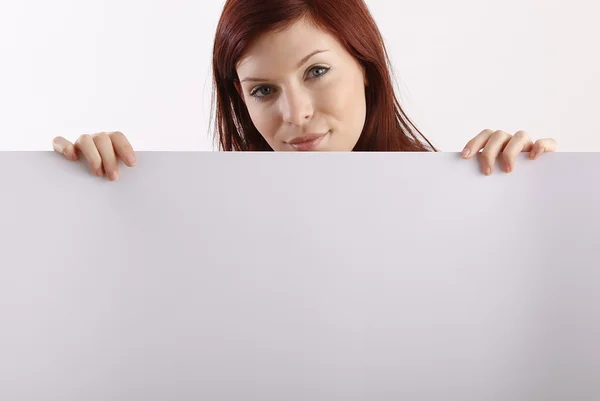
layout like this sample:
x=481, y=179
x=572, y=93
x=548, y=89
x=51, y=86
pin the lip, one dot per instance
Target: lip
x=307, y=142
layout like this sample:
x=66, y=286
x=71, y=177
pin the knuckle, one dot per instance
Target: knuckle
x=483, y=136
x=121, y=141
x=85, y=139
x=502, y=134
x=101, y=137
x=522, y=135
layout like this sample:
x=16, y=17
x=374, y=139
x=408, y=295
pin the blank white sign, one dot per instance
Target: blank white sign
x=284, y=276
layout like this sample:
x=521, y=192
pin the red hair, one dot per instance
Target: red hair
x=387, y=128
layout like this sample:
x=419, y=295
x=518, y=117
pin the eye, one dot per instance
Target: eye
x=259, y=92
x=325, y=71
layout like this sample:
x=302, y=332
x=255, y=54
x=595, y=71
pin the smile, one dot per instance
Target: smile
x=307, y=143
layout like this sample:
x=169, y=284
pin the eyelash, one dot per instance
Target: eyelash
x=262, y=98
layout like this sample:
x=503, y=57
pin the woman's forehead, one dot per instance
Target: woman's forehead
x=288, y=46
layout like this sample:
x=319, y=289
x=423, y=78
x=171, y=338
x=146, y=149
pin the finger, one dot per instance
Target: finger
x=107, y=153
x=86, y=145
x=520, y=142
x=476, y=144
x=540, y=146
x=65, y=147
x=492, y=149
x=123, y=148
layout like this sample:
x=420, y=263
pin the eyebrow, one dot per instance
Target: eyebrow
x=304, y=60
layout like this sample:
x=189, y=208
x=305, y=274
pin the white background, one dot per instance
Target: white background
x=70, y=67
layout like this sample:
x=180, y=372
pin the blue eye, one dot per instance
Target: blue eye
x=261, y=89
x=320, y=68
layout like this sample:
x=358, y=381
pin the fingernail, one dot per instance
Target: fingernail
x=488, y=171
x=114, y=176
x=99, y=173
x=508, y=169
x=465, y=152
x=131, y=160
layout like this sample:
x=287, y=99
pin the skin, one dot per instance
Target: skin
x=325, y=93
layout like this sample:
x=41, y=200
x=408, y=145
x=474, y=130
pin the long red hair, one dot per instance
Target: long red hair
x=387, y=128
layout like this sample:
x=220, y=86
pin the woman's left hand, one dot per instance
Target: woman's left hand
x=507, y=146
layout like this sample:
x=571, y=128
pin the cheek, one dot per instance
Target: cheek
x=345, y=101
x=262, y=118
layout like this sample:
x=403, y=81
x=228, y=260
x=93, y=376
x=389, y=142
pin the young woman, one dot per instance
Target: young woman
x=305, y=75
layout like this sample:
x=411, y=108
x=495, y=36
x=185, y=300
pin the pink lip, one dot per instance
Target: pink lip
x=307, y=142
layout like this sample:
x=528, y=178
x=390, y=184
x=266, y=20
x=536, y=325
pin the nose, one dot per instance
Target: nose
x=296, y=106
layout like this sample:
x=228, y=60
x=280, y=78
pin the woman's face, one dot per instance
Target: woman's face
x=299, y=102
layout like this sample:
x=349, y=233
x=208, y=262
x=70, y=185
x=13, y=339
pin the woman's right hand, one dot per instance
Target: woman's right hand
x=101, y=152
